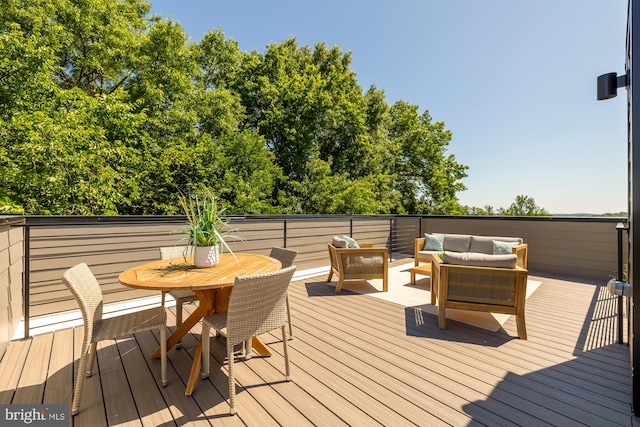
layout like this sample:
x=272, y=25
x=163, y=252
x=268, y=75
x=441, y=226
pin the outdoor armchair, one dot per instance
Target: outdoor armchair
x=257, y=305
x=86, y=290
x=364, y=262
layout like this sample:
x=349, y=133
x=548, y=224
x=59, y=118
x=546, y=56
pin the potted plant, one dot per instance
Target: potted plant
x=208, y=227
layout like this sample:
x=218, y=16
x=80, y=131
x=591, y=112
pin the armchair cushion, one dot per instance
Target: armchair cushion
x=480, y=260
x=351, y=243
x=338, y=242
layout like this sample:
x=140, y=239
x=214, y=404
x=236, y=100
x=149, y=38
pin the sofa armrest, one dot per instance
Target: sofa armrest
x=522, y=252
x=417, y=247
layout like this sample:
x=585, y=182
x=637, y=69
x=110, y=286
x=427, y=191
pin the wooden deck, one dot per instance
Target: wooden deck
x=361, y=361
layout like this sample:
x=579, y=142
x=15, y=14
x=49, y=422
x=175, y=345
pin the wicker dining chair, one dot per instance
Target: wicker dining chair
x=86, y=290
x=286, y=258
x=181, y=296
x=257, y=305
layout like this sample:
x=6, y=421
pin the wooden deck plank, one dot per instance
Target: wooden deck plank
x=253, y=413
x=270, y=369
x=184, y=411
x=378, y=314
x=118, y=401
x=214, y=407
x=366, y=391
x=11, y=367
x=32, y=381
x=59, y=388
x=274, y=403
x=151, y=406
x=92, y=410
x=358, y=360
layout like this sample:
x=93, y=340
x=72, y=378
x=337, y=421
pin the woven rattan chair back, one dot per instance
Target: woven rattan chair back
x=174, y=251
x=86, y=290
x=285, y=256
x=257, y=304
x=180, y=296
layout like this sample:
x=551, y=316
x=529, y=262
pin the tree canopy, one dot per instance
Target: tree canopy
x=106, y=109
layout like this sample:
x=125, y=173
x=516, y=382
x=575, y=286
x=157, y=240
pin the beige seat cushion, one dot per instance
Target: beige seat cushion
x=338, y=242
x=457, y=242
x=484, y=244
x=480, y=260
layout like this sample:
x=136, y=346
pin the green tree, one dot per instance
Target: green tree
x=524, y=206
x=427, y=178
x=54, y=156
x=105, y=109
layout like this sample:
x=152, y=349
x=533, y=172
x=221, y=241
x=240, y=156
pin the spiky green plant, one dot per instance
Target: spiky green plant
x=207, y=224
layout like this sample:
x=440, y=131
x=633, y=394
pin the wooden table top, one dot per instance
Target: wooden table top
x=180, y=273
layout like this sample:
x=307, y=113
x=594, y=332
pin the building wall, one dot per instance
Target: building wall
x=11, y=274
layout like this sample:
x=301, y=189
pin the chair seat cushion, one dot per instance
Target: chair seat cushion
x=427, y=254
x=480, y=259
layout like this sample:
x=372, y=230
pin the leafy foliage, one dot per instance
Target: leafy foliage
x=108, y=110
x=208, y=225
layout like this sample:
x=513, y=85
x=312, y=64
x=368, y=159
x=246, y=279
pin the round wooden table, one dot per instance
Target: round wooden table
x=212, y=286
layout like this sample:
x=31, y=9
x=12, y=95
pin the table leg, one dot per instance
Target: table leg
x=194, y=376
x=205, y=308
x=260, y=347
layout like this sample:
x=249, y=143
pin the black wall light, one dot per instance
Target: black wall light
x=609, y=83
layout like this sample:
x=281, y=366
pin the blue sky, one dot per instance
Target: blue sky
x=513, y=80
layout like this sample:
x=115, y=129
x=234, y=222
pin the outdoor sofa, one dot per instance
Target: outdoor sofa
x=479, y=273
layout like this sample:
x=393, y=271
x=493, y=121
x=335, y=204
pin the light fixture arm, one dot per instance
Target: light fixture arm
x=609, y=83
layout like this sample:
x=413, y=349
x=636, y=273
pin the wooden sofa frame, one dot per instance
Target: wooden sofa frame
x=339, y=264
x=488, y=289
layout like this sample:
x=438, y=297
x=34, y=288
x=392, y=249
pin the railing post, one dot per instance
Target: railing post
x=26, y=280
x=285, y=234
x=390, y=239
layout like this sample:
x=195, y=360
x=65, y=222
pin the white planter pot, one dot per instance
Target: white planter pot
x=206, y=256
